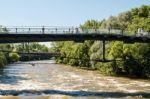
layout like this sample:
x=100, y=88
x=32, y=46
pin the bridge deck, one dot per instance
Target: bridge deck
x=46, y=34
x=18, y=38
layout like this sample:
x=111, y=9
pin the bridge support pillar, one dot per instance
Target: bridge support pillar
x=104, y=50
x=29, y=57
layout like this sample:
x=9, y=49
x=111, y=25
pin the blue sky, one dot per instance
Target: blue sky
x=61, y=12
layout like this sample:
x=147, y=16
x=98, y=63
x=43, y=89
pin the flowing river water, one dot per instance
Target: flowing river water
x=47, y=80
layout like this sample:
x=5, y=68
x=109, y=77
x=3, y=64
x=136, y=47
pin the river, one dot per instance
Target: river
x=47, y=80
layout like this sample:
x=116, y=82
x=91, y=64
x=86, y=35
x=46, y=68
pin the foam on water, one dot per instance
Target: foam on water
x=57, y=81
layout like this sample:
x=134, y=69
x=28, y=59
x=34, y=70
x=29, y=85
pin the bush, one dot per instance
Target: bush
x=14, y=57
x=3, y=60
x=73, y=62
x=65, y=60
x=105, y=68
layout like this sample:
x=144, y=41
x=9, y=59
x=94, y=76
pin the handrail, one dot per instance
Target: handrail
x=65, y=30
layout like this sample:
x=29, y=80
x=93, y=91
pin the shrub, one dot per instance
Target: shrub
x=14, y=57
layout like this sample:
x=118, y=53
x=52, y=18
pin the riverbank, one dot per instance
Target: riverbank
x=97, y=71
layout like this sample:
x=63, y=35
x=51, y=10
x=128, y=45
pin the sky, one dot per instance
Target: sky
x=61, y=12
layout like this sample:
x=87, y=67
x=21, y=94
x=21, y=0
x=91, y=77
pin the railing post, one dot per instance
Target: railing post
x=72, y=30
x=56, y=29
x=77, y=30
x=69, y=30
x=29, y=52
x=43, y=30
x=29, y=30
x=16, y=30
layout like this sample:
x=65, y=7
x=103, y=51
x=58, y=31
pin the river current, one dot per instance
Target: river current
x=47, y=80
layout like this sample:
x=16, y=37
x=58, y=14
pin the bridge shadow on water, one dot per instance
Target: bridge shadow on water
x=11, y=80
x=10, y=77
x=74, y=93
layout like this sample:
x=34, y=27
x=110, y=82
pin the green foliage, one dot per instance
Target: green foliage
x=3, y=56
x=116, y=50
x=14, y=57
x=91, y=24
x=3, y=60
x=29, y=48
x=105, y=68
x=129, y=59
x=140, y=18
x=75, y=54
x=120, y=22
x=32, y=47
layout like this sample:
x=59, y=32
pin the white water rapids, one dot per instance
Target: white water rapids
x=47, y=80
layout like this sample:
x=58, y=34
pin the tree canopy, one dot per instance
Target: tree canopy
x=128, y=59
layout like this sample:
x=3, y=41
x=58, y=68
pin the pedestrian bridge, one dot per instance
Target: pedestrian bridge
x=33, y=55
x=18, y=34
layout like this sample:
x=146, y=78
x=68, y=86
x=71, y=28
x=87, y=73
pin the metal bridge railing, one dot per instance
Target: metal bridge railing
x=66, y=30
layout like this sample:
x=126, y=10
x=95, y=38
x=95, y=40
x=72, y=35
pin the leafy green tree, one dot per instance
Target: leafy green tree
x=91, y=24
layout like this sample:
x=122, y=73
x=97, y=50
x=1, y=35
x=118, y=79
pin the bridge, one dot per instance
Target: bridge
x=34, y=55
x=18, y=34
